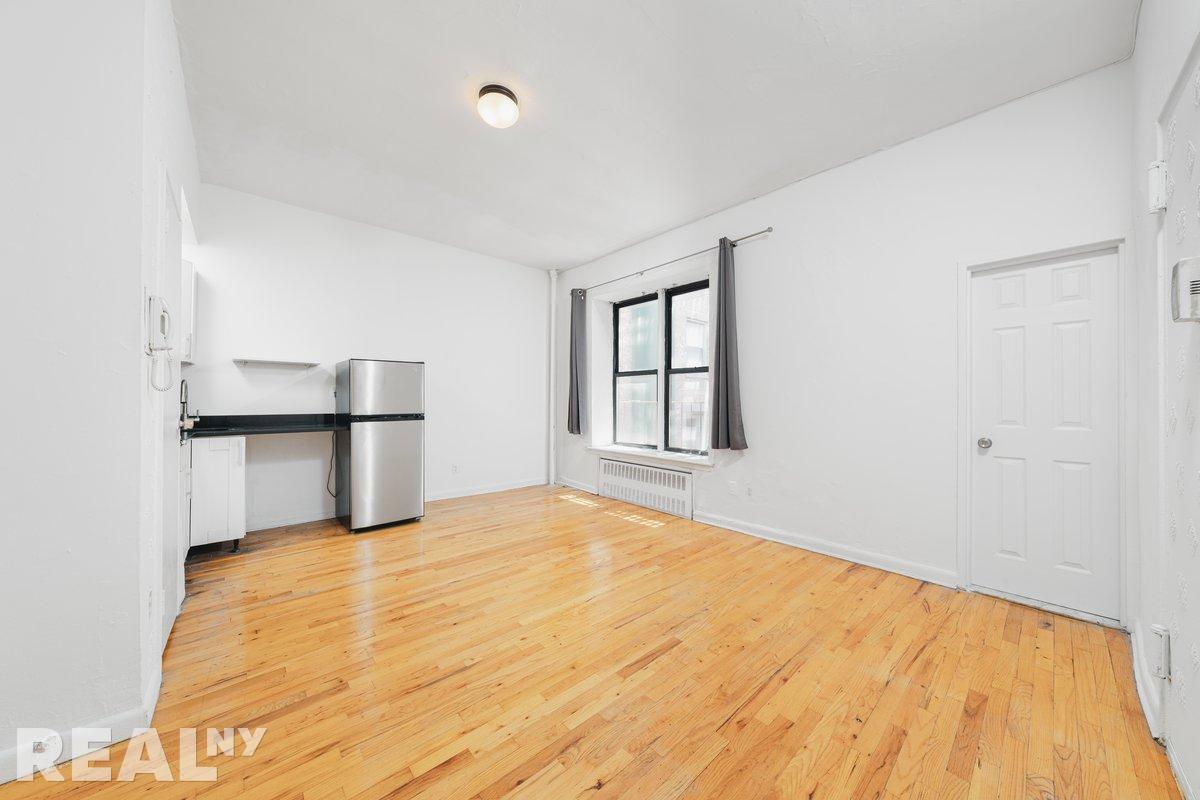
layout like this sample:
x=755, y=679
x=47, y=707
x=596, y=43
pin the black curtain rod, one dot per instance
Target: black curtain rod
x=769, y=229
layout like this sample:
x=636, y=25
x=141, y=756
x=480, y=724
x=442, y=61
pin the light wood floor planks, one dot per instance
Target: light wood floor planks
x=544, y=643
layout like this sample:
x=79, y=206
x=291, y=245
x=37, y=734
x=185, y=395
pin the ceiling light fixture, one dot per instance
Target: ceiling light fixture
x=498, y=106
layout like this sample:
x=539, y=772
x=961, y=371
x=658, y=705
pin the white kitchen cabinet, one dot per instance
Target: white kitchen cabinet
x=218, y=489
x=187, y=313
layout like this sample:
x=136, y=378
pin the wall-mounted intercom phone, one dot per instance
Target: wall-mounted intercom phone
x=158, y=339
x=159, y=317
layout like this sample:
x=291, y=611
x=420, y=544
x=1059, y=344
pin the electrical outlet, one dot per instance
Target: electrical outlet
x=1162, y=665
x=454, y=469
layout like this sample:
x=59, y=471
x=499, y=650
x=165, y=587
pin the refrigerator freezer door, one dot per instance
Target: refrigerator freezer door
x=387, y=481
x=386, y=387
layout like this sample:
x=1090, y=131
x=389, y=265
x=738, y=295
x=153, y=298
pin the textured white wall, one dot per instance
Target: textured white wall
x=168, y=165
x=848, y=316
x=70, y=510
x=277, y=281
x=80, y=488
x=1169, y=563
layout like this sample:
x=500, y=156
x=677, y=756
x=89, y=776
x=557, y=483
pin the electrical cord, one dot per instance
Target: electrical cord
x=332, y=457
x=170, y=377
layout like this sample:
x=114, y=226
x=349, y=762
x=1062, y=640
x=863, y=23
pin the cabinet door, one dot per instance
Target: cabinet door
x=218, y=489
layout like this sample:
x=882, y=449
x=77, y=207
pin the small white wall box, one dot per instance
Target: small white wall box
x=1162, y=665
x=1156, y=193
x=1185, y=290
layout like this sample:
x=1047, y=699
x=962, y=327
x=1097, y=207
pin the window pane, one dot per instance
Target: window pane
x=689, y=329
x=637, y=409
x=637, y=337
x=686, y=428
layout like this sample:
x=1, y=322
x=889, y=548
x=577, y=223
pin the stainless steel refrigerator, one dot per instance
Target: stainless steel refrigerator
x=380, y=442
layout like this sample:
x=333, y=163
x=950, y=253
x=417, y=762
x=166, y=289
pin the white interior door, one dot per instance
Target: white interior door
x=1044, y=486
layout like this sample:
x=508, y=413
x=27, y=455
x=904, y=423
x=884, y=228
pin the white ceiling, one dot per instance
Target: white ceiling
x=636, y=116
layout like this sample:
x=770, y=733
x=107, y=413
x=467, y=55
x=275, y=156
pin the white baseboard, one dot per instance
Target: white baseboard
x=583, y=487
x=152, y=690
x=1149, y=687
x=924, y=572
x=1185, y=787
x=467, y=491
x=122, y=726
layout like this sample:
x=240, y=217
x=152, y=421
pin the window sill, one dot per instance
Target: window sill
x=655, y=457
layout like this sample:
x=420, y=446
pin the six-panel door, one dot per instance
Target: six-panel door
x=1044, y=495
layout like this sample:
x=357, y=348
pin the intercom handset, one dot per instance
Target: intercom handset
x=159, y=324
x=158, y=339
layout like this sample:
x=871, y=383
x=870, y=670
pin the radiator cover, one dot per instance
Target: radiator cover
x=666, y=490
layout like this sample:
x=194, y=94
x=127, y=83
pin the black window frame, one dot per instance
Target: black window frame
x=668, y=370
x=617, y=373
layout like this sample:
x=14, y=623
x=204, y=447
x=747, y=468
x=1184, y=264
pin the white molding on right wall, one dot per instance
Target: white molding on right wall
x=1185, y=788
x=1149, y=686
x=884, y=561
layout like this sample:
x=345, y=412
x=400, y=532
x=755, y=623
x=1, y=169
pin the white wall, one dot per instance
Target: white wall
x=848, y=317
x=76, y=518
x=1167, y=31
x=169, y=171
x=277, y=281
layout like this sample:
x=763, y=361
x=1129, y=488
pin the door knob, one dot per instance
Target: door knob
x=984, y=443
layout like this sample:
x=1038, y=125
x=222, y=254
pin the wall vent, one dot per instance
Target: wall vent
x=665, y=490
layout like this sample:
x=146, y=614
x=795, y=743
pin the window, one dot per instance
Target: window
x=635, y=372
x=687, y=368
x=667, y=371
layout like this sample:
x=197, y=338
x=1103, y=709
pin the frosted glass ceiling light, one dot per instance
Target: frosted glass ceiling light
x=498, y=106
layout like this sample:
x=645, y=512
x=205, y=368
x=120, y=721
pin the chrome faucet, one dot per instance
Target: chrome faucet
x=186, y=421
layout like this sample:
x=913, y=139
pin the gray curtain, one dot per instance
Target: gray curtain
x=577, y=398
x=727, y=431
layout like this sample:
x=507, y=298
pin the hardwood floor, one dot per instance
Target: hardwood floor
x=545, y=643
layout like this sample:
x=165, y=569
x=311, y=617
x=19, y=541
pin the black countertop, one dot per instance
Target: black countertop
x=256, y=424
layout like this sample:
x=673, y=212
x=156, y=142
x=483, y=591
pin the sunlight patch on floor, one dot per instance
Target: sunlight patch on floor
x=637, y=519
x=582, y=501
x=627, y=516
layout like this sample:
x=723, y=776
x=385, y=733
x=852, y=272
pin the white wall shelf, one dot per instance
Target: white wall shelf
x=273, y=362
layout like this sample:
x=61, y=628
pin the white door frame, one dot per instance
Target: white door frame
x=1126, y=417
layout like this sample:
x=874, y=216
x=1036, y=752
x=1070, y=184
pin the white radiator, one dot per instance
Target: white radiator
x=665, y=490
